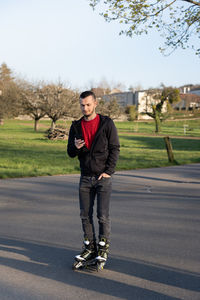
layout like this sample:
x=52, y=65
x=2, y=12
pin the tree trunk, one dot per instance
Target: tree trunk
x=36, y=125
x=53, y=124
x=157, y=123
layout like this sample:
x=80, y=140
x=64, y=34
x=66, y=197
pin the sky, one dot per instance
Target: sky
x=65, y=40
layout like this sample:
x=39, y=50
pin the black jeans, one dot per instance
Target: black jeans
x=89, y=188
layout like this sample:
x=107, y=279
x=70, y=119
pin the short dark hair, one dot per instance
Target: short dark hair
x=86, y=94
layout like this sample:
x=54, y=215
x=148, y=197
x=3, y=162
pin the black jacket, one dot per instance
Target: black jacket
x=104, y=152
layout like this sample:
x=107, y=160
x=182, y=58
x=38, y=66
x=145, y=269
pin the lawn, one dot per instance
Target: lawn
x=25, y=153
x=174, y=128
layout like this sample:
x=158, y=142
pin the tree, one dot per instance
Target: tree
x=167, y=95
x=5, y=74
x=109, y=108
x=9, y=94
x=101, y=88
x=135, y=88
x=100, y=92
x=31, y=102
x=191, y=100
x=101, y=108
x=59, y=102
x=177, y=21
x=131, y=111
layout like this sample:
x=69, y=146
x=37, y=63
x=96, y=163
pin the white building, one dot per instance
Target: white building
x=141, y=99
x=123, y=98
x=190, y=89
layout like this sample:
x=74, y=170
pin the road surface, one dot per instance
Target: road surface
x=155, y=242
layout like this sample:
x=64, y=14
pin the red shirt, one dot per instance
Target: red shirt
x=89, y=129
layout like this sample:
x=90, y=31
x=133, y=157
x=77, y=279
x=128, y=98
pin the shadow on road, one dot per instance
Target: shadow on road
x=54, y=262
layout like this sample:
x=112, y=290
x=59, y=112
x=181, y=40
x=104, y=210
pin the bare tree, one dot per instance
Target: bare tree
x=59, y=102
x=191, y=100
x=31, y=102
x=134, y=89
x=110, y=108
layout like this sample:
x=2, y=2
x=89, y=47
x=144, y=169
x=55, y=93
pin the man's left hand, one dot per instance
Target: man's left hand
x=104, y=175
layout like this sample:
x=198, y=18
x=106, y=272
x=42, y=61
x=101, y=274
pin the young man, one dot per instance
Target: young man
x=94, y=140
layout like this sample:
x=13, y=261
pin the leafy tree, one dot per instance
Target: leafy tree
x=177, y=21
x=5, y=74
x=9, y=96
x=59, y=102
x=131, y=111
x=167, y=95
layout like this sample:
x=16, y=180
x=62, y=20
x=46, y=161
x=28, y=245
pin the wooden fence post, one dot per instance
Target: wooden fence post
x=169, y=149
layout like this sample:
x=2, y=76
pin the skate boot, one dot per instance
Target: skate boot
x=87, y=256
x=102, y=256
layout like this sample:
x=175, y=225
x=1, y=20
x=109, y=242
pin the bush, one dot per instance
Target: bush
x=131, y=111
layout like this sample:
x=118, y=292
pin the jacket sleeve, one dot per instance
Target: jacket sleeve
x=71, y=148
x=113, y=148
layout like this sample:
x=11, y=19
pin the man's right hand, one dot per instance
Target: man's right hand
x=79, y=143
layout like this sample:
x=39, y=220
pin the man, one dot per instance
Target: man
x=94, y=140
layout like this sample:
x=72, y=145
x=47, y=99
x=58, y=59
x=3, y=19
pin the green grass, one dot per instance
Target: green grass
x=25, y=153
x=174, y=128
x=145, y=152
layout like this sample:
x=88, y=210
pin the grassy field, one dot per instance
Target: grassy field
x=25, y=153
x=172, y=128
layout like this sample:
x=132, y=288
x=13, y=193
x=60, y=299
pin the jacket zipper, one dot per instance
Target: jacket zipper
x=93, y=143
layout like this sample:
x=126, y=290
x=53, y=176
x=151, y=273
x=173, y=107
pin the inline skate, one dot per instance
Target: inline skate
x=87, y=257
x=101, y=259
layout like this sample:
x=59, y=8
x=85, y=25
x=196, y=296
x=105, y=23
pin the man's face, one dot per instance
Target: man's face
x=88, y=106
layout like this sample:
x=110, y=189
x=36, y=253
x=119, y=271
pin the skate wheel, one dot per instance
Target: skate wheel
x=77, y=265
x=100, y=266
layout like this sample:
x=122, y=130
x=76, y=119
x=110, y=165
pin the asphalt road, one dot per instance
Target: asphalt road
x=155, y=244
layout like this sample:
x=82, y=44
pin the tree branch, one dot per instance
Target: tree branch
x=163, y=8
x=193, y=2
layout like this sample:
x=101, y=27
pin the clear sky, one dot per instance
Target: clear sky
x=64, y=39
